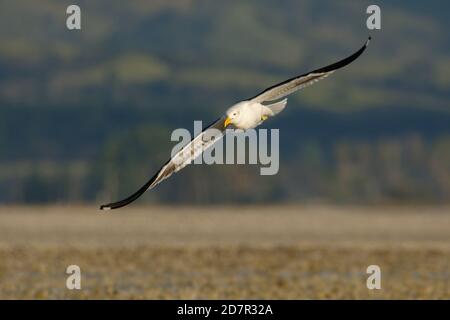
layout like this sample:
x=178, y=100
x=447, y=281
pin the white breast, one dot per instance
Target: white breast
x=250, y=115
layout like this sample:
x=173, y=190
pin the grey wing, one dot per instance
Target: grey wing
x=181, y=159
x=200, y=143
x=289, y=86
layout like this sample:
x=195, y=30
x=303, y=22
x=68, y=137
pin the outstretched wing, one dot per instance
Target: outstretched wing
x=180, y=160
x=291, y=85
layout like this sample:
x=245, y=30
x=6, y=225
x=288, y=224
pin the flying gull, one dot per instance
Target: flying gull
x=244, y=115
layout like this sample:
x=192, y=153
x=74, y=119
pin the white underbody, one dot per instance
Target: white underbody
x=252, y=114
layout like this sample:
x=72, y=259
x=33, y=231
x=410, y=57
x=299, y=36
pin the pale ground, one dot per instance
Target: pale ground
x=287, y=252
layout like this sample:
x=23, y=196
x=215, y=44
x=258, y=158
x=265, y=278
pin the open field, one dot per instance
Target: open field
x=225, y=252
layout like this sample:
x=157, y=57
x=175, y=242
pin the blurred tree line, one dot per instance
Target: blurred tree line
x=401, y=170
x=87, y=116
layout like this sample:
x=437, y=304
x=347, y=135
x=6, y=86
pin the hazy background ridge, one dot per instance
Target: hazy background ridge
x=78, y=106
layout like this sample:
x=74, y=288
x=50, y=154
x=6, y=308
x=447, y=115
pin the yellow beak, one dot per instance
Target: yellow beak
x=227, y=122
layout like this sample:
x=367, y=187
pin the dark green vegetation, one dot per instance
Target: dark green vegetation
x=87, y=116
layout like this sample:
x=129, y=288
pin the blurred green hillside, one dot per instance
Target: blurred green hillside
x=87, y=115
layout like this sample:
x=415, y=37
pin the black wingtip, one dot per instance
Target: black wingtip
x=345, y=61
x=134, y=196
